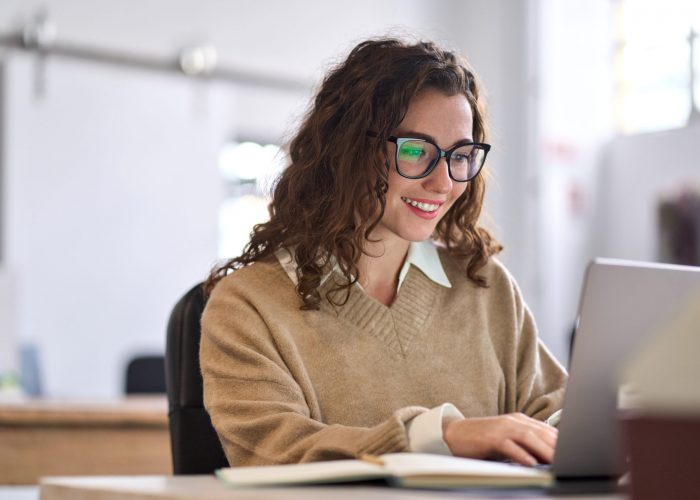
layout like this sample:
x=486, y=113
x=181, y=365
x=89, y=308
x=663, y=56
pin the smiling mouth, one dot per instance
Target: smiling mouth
x=423, y=207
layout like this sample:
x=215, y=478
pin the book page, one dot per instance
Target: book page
x=421, y=464
x=403, y=469
x=307, y=473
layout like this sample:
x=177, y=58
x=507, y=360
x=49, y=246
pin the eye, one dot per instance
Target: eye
x=461, y=157
x=412, y=151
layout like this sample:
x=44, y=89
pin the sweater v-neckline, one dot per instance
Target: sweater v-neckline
x=397, y=325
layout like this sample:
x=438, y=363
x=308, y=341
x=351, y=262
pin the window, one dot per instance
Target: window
x=657, y=64
x=249, y=170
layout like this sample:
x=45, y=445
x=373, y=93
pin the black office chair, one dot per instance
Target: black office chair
x=196, y=448
x=145, y=374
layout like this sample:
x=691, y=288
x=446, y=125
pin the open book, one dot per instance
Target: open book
x=412, y=470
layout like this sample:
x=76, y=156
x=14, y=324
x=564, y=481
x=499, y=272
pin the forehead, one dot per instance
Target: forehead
x=447, y=118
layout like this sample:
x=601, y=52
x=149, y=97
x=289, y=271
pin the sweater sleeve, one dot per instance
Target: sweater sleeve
x=258, y=408
x=541, y=379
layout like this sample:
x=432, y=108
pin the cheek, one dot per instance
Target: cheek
x=397, y=184
x=458, y=189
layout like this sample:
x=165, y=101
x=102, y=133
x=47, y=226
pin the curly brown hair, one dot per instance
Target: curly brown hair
x=332, y=195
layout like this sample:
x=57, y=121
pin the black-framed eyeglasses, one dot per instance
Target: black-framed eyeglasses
x=416, y=158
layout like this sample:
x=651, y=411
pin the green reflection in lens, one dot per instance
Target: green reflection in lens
x=411, y=152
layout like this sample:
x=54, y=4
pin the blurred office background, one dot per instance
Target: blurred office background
x=138, y=138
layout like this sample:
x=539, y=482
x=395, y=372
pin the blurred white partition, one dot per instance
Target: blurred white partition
x=112, y=195
x=637, y=173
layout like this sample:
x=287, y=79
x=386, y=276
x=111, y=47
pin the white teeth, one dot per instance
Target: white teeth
x=425, y=207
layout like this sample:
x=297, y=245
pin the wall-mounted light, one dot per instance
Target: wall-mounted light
x=40, y=32
x=199, y=60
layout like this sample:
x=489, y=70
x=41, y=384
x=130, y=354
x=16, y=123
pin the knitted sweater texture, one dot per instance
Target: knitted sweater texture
x=284, y=385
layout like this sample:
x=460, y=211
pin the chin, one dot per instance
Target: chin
x=408, y=230
x=417, y=236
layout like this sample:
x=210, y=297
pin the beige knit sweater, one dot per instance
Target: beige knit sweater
x=284, y=385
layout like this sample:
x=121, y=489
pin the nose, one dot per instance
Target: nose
x=439, y=179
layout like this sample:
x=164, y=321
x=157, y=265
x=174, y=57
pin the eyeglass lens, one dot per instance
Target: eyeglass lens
x=415, y=157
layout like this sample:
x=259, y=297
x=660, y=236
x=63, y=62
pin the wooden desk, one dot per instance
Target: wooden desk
x=209, y=488
x=42, y=438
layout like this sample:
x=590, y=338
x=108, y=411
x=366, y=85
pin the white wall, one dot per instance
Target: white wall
x=108, y=216
x=296, y=39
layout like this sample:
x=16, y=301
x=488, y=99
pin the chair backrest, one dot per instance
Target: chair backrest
x=145, y=375
x=196, y=448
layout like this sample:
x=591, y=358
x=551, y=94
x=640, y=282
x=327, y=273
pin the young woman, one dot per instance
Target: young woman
x=369, y=314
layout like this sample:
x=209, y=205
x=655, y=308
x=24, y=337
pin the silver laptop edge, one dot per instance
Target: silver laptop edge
x=623, y=304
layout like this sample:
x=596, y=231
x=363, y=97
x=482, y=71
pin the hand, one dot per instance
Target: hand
x=514, y=436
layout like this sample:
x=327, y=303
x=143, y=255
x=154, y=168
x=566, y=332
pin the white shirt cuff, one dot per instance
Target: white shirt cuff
x=425, y=430
x=554, y=418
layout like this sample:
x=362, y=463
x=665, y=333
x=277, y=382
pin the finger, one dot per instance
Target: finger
x=537, y=423
x=546, y=431
x=510, y=449
x=546, y=435
x=537, y=437
x=534, y=444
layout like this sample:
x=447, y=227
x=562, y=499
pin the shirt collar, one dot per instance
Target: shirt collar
x=423, y=255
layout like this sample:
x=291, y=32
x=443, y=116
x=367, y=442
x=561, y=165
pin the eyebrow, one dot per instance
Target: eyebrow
x=427, y=137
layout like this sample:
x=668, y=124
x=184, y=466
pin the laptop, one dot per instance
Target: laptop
x=623, y=305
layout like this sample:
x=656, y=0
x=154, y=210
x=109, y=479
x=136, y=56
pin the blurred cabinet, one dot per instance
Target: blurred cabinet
x=48, y=438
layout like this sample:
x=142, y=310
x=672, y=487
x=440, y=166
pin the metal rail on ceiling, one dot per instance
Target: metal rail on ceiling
x=176, y=65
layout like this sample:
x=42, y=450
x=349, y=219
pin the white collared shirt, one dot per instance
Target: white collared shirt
x=425, y=430
x=423, y=255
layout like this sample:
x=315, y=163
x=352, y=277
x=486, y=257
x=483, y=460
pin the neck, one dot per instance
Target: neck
x=379, y=268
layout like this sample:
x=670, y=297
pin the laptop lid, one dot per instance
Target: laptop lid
x=623, y=304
